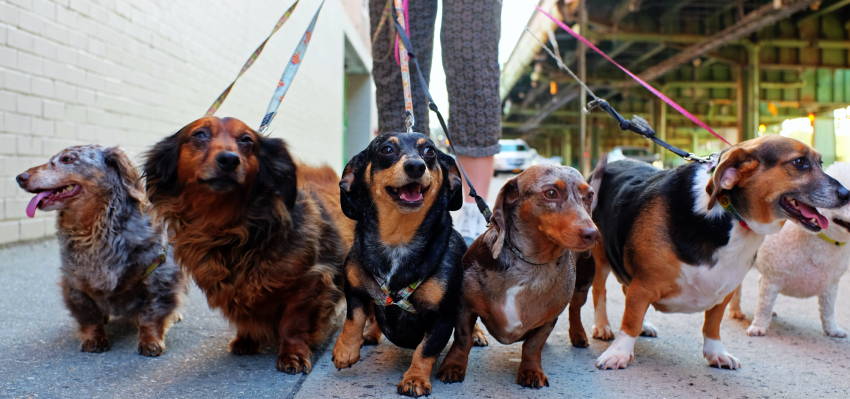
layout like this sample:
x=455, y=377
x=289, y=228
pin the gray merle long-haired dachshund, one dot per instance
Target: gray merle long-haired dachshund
x=115, y=260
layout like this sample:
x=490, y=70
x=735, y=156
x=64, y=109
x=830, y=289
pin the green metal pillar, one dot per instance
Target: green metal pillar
x=754, y=88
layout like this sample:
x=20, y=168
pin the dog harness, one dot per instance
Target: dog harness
x=727, y=205
x=826, y=238
x=159, y=260
x=400, y=298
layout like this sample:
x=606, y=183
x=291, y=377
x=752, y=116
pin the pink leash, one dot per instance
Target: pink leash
x=406, y=7
x=649, y=87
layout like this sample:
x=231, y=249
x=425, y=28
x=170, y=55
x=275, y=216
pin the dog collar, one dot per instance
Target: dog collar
x=826, y=238
x=727, y=205
x=400, y=298
x=522, y=257
x=159, y=260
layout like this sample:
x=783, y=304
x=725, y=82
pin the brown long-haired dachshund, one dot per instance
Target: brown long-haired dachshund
x=264, y=238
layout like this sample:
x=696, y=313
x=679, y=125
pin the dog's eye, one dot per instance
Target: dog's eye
x=801, y=163
x=201, y=134
x=387, y=149
x=246, y=139
x=551, y=193
x=428, y=152
x=67, y=159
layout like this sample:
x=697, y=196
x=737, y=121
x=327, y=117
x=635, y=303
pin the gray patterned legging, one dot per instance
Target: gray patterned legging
x=470, y=44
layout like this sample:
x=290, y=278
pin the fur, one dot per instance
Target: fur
x=519, y=275
x=108, y=241
x=262, y=236
x=798, y=263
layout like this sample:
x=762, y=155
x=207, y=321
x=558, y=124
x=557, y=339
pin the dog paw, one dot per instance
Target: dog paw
x=151, y=349
x=602, y=332
x=722, y=360
x=717, y=356
x=293, y=363
x=414, y=385
x=648, y=330
x=614, y=358
x=531, y=378
x=756, y=331
x=578, y=338
x=479, y=338
x=737, y=315
x=176, y=317
x=450, y=373
x=344, y=356
x=95, y=345
x=241, y=346
x=835, y=332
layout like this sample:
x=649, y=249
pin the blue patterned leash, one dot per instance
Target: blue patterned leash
x=289, y=73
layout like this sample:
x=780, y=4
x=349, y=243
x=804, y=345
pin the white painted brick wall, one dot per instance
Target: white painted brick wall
x=128, y=72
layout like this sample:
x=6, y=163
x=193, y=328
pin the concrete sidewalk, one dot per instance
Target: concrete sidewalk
x=39, y=355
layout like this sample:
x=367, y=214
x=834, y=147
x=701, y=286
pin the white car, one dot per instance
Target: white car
x=641, y=154
x=514, y=156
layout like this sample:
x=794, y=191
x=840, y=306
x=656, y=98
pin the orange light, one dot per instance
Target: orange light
x=812, y=118
x=762, y=128
x=553, y=88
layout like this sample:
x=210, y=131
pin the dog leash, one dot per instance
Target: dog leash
x=406, y=44
x=289, y=73
x=253, y=57
x=403, y=59
x=643, y=83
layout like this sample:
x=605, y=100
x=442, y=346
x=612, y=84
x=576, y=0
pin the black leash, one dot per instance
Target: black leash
x=482, y=205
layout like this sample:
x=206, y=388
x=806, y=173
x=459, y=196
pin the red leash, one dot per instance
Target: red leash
x=649, y=87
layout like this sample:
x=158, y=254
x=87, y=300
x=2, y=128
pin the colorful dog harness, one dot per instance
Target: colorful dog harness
x=400, y=298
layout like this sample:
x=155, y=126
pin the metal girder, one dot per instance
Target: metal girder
x=752, y=22
x=828, y=9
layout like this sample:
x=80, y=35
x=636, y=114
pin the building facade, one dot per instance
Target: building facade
x=128, y=72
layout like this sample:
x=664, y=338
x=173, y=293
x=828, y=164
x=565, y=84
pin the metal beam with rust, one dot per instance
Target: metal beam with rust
x=752, y=22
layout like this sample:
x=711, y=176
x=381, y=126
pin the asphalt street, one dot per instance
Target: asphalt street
x=40, y=357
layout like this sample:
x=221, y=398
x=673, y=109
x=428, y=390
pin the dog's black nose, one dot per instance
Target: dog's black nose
x=227, y=161
x=589, y=234
x=843, y=194
x=414, y=168
x=22, y=179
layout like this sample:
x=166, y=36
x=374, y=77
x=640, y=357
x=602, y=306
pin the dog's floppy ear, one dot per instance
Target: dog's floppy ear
x=452, y=175
x=495, y=235
x=350, y=186
x=125, y=173
x=734, y=166
x=277, y=173
x=160, y=169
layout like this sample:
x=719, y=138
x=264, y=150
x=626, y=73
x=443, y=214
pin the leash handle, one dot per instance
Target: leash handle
x=289, y=73
x=479, y=201
x=404, y=64
x=646, y=85
x=253, y=57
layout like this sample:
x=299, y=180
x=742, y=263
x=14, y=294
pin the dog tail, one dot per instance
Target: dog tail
x=596, y=179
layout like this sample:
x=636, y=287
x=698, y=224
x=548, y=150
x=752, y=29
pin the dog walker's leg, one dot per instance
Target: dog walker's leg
x=826, y=303
x=621, y=351
x=764, y=307
x=712, y=349
x=530, y=372
x=91, y=319
x=601, y=326
x=347, y=348
x=454, y=364
x=735, y=311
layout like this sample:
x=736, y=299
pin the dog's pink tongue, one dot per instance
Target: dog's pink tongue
x=810, y=213
x=412, y=195
x=34, y=203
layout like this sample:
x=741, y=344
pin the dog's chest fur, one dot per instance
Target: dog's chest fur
x=516, y=300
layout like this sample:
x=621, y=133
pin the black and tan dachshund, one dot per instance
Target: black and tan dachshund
x=403, y=272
